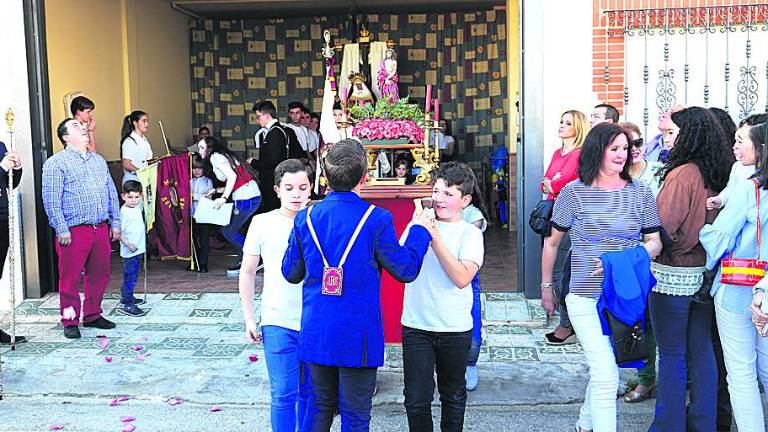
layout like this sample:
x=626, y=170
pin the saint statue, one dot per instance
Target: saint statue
x=388, y=78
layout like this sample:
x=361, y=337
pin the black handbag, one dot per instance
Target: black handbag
x=541, y=216
x=630, y=343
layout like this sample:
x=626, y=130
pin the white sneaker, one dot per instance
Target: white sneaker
x=472, y=376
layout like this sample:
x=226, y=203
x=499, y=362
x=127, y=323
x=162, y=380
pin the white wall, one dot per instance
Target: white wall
x=567, y=64
x=14, y=93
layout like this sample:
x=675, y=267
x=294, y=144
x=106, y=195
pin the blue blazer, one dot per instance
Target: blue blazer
x=346, y=330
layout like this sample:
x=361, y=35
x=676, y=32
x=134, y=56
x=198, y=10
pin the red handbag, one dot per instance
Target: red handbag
x=745, y=271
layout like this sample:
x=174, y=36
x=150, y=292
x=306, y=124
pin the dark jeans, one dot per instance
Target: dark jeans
x=241, y=214
x=477, y=323
x=683, y=331
x=423, y=353
x=131, y=268
x=348, y=389
x=202, y=237
x=562, y=278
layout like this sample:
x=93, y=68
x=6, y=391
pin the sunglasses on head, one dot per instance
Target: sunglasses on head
x=637, y=143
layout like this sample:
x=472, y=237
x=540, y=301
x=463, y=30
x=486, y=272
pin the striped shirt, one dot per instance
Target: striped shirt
x=78, y=190
x=602, y=221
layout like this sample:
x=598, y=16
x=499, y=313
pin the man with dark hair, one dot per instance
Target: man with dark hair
x=82, y=110
x=342, y=338
x=296, y=113
x=273, y=149
x=604, y=113
x=81, y=202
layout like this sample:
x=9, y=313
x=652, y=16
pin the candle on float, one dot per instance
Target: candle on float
x=437, y=110
x=428, y=98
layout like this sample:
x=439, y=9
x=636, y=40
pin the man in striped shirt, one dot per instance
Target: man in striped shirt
x=81, y=202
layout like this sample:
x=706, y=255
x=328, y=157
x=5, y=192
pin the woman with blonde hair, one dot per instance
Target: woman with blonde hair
x=563, y=169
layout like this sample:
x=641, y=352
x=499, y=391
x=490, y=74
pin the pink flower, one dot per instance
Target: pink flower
x=108, y=359
x=127, y=419
x=253, y=358
x=129, y=428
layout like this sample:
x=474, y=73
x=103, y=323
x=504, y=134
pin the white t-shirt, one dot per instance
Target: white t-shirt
x=137, y=149
x=280, y=299
x=132, y=227
x=246, y=191
x=433, y=302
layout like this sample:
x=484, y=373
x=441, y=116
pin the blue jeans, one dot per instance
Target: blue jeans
x=348, y=389
x=477, y=323
x=288, y=382
x=425, y=352
x=241, y=214
x=683, y=331
x=131, y=267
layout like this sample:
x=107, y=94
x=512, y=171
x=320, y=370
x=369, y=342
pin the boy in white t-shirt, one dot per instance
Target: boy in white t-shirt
x=437, y=306
x=281, y=300
x=133, y=244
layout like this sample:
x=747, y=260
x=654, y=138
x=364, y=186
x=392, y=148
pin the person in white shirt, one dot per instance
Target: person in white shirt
x=475, y=214
x=136, y=150
x=295, y=115
x=281, y=301
x=437, y=306
x=133, y=244
x=240, y=188
x=201, y=186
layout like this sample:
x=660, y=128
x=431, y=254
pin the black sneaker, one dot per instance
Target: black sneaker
x=101, y=323
x=136, y=301
x=72, y=332
x=134, y=310
x=5, y=338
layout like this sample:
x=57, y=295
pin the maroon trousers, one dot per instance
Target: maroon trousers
x=89, y=252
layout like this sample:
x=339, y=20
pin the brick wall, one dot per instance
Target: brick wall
x=613, y=57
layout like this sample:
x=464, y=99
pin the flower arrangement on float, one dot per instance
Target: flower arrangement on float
x=397, y=122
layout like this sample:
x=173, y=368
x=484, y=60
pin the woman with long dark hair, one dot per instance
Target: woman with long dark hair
x=240, y=187
x=603, y=211
x=135, y=147
x=697, y=169
x=741, y=325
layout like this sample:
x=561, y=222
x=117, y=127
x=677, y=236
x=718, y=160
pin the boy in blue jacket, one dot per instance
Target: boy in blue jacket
x=342, y=338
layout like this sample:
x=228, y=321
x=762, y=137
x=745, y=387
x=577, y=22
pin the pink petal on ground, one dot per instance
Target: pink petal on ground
x=144, y=338
x=216, y=408
x=123, y=398
x=138, y=348
x=127, y=418
x=108, y=359
x=174, y=401
x=114, y=402
x=253, y=358
x=129, y=428
x=55, y=427
x=103, y=342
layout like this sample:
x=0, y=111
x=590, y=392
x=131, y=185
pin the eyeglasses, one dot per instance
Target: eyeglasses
x=637, y=143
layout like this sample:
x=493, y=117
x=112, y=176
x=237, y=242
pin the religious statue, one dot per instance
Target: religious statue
x=360, y=93
x=388, y=77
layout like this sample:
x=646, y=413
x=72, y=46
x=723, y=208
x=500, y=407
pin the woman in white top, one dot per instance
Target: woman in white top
x=240, y=188
x=136, y=150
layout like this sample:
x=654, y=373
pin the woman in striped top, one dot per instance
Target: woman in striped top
x=603, y=211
